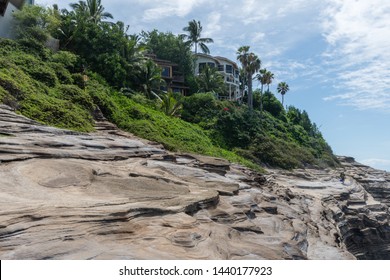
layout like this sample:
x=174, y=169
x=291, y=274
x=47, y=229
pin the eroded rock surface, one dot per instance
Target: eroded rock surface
x=110, y=195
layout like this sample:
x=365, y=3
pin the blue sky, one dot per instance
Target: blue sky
x=334, y=54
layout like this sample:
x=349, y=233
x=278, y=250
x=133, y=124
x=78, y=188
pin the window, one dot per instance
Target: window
x=211, y=64
x=229, y=69
x=3, y=6
x=166, y=72
x=221, y=67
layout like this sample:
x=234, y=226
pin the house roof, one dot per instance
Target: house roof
x=227, y=60
x=161, y=62
x=207, y=56
x=217, y=58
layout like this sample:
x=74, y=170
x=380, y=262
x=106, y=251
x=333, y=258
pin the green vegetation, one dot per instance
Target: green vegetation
x=101, y=66
x=194, y=36
x=251, y=63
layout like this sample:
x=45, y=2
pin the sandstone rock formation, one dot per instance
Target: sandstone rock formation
x=110, y=195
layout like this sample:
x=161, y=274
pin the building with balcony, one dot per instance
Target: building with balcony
x=7, y=8
x=227, y=68
x=170, y=73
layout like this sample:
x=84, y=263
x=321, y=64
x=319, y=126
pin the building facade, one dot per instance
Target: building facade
x=169, y=72
x=7, y=8
x=227, y=68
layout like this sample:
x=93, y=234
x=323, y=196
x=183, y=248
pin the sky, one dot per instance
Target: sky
x=334, y=55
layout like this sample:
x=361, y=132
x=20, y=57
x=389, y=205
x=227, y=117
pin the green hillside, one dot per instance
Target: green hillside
x=100, y=66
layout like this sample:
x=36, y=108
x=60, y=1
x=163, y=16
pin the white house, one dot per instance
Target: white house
x=226, y=67
x=7, y=8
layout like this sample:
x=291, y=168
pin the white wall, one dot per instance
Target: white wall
x=6, y=22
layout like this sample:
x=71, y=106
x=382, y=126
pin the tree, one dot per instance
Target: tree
x=36, y=23
x=268, y=77
x=282, y=89
x=210, y=80
x=171, y=105
x=262, y=78
x=150, y=80
x=194, y=30
x=170, y=47
x=92, y=11
x=251, y=63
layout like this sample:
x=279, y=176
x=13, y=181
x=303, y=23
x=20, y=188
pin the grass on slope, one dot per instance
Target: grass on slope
x=45, y=87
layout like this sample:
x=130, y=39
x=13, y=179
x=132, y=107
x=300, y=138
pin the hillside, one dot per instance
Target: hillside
x=49, y=88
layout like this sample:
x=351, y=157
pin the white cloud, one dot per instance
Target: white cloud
x=168, y=8
x=358, y=34
x=383, y=164
x=213, y=25
x=258, y=37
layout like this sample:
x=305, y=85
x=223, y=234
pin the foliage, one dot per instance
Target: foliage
x=32, y=87
x=210, y=80
x=272, y=105
x=266, y=138
x=149, y=79
x=201, y=109
x=251, y=63
x=100, y=65
x=194, y=38
x=91, y=10
x=171, y=104
x=170, y=47
x=282, y=89
x=36, y=23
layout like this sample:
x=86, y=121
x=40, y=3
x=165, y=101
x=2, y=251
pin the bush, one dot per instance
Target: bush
x=56, y=112
x=75, y=95
x=201, y=108
x=62, y=73
x=65, y=58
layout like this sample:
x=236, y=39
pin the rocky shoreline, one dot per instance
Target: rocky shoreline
x=110, y=195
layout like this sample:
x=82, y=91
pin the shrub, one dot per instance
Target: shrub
x=75, y=95
x=201, y=108
x=62, y=73
x=65, y=58
x=56, y=112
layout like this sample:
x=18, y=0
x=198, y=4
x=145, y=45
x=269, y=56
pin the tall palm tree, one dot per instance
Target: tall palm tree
x=194, y=30
x=268, y=78
x=251, y=63
x=92, y=10
x=262, y=78
x=282, y=89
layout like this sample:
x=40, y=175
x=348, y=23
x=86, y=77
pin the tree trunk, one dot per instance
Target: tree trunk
x=250, y=94
x=261, y=99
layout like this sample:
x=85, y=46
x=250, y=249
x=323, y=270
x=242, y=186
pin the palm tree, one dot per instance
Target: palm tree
x=262, y=78
x=268, y=77
x=171, y=105
x=251, y=63
x=92, y=10
x=210, y=80
x=150, y=80
x=282, y=89
x=194, y=30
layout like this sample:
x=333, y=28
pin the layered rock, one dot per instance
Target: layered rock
x=110, y=195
